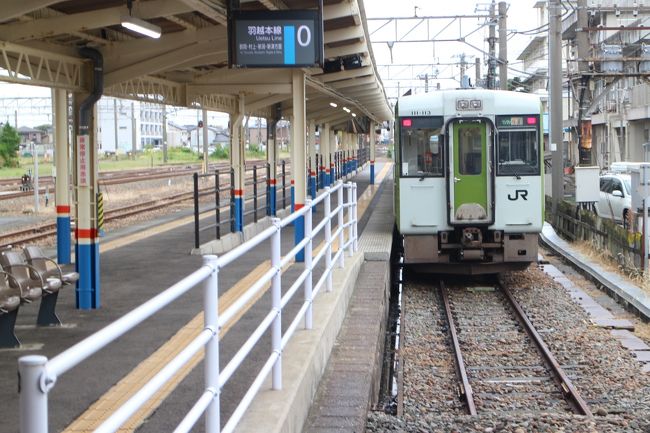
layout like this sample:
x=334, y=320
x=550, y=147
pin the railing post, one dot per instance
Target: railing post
x=33, y=398
x=350, y=220
x=255, y=193
x=339, y=196
x=328, y=236
x=196, y=210
x=354, y=214
x=276, y=295
x=211, y=363
x=309, y=322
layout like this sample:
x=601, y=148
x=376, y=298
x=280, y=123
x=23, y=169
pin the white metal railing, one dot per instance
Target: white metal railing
x=38, y=375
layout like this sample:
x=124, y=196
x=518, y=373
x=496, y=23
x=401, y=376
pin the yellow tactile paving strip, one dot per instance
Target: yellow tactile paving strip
x=99, y=411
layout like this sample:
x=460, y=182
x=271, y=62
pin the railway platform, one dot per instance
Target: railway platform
x=139, y=262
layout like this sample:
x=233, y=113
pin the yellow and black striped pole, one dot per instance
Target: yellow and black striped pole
x=100, y=214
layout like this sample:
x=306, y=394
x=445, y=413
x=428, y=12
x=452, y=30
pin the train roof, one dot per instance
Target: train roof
x=443, y=102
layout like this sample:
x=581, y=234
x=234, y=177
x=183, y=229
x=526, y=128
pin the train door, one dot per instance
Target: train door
x=469, y=180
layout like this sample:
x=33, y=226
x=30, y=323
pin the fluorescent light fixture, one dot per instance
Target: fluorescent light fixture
x=346, y=109
x=333, y=104
x=354, y=114
x=140, y=26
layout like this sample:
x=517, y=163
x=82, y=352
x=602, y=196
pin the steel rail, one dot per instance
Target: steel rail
x=571, y=394
x=465, y=389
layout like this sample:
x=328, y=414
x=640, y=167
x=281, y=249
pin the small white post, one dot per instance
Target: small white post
x=33, y=398
x=309, y=323
x=211, y=364
x=276, y=300
x=339, y=195
x=328, y=237
x=350, y=220
x=356, y=221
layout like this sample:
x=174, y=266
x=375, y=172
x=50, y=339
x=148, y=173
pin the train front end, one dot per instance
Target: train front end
x=469, y=180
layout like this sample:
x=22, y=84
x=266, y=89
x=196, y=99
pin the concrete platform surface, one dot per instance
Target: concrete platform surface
x=134, y=269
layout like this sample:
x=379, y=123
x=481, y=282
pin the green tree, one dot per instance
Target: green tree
x=9, y=144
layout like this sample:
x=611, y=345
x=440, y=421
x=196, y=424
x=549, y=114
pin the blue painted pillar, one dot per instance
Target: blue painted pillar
x=272, y=197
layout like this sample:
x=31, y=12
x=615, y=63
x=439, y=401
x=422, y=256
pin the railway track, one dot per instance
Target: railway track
x=114, y=178
x=36, y=233
x=498, y=352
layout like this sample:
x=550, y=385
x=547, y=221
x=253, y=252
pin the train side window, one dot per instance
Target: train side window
x=422, y=152
x=518, y=152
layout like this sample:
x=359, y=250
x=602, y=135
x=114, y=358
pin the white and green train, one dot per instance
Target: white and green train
x=469, y=180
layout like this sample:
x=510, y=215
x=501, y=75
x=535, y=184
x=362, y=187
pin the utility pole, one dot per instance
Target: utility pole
x=164, y=132
x=584, y=93
x=116, y=129
x=503, y=47
x=134, y=135
x=425, y=77
x=477, y=65
x=555, y=86
x=463, y=67
x=491, y=76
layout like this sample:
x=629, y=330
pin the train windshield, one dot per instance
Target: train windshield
x=421, y=141
x=518, y=152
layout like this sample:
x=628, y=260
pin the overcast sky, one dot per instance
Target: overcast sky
x=521, y=17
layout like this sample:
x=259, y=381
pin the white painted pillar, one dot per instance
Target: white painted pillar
x=62, y=182
x=373, y=140
x=205, y=141
x=325, y=150
x=237, y=163
x=271, y=159
x=298, y=163
x=312, y=158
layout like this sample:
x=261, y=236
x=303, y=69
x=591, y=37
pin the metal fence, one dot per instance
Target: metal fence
x=38, y=375
x=258, y=190
x=619, y=244
x=219, y=185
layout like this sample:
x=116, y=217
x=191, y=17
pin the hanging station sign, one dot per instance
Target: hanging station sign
x=275, y=39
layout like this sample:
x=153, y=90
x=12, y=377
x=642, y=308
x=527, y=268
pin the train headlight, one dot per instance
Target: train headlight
x=462, y=104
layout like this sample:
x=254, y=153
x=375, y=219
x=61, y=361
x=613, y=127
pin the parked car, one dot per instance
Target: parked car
x=615, y=197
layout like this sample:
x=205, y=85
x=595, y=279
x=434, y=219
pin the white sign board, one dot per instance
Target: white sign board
x=587, y=184
x=82, y=160
x=640, y=185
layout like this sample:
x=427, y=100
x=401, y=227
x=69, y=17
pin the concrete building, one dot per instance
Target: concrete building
x=127, y=126
x=616, y=120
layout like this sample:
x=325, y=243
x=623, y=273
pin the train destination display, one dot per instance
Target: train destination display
x=276, y=39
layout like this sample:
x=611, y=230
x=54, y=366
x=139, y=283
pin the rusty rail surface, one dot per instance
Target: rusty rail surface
x=571, y=394
x=464, y=389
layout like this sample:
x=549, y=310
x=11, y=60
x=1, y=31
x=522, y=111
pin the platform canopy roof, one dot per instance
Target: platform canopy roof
x=188, y=65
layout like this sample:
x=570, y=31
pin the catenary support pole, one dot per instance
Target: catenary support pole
x=555, y=124
x=503, y=47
